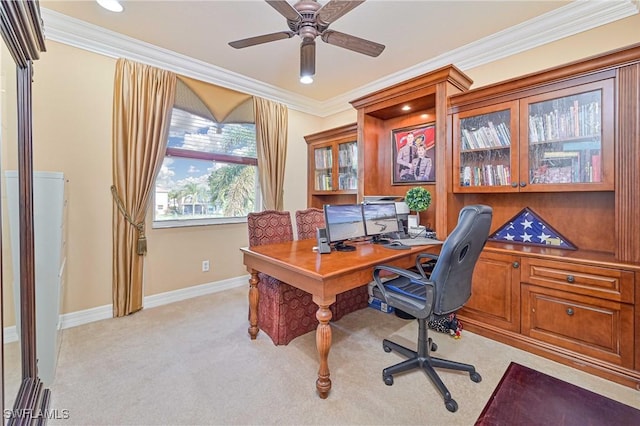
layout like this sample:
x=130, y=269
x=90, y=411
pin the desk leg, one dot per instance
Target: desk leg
x=323, y=343
x=253, y=304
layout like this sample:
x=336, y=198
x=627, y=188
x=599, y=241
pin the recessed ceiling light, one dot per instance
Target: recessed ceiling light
x=424, y=116
x=111, y=5
x=406, y=108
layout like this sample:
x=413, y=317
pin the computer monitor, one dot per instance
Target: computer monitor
x=380, y=219
x=344, y=222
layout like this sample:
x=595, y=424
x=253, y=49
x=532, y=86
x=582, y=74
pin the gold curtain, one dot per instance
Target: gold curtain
x=271, y=138
x=142, y=101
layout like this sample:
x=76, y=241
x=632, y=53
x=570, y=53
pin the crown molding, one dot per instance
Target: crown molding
x=574, y=18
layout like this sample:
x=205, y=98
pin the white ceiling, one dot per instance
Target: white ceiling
x=419, y=36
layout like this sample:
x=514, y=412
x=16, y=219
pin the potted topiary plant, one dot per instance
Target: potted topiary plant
x=418, y=199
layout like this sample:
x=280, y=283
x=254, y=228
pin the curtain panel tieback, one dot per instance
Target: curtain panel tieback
x=141, y=248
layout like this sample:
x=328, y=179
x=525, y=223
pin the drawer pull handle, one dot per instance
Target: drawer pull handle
x=516, y=265
x=571, y=279
x=569, y=311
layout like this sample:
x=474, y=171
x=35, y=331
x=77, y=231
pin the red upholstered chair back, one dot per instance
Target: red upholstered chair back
x=268, y=227
x=307, y=221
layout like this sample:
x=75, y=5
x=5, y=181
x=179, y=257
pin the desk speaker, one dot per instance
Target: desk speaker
x=323, y=241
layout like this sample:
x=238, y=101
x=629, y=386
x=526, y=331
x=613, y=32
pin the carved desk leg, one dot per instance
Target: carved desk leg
x=253, y=304
x=323, y=343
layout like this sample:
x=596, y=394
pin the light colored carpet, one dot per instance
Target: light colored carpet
x=192, y=362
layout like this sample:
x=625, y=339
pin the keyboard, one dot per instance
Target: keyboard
x=419, y=241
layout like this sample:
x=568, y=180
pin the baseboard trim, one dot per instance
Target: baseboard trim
x=74, y=319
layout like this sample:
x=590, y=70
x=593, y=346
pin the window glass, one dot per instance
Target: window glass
x=209, y=174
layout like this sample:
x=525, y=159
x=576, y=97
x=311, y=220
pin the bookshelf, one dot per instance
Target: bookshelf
x=569, y=135
x=560, y=140
x=486, y=154
x=332, y=166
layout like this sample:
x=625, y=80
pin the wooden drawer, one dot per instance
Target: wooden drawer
x=596, y=281
x=599, y=328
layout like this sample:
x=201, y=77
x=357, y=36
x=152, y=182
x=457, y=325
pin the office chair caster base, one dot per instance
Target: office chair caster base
x=386, y=348
x=451, y=405
x=475, y=377
x=388, y=380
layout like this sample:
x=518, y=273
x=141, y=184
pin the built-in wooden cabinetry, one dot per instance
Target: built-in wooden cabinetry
x=421, y=100
x=332, y=166
x=558, y=140
x=563, y=142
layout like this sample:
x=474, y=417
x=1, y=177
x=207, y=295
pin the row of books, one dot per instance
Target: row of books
x=489, y=136
x=324, y=182
x=348, y=155
x=323, y=158
x=486, y=175
x=576, y=121
x=553, y=167
x=347, y=181
x=569, y=167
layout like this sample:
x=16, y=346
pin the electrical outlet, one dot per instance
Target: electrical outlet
x=205, y=266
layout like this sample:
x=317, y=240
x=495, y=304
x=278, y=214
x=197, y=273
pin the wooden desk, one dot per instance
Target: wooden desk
x=322, y=275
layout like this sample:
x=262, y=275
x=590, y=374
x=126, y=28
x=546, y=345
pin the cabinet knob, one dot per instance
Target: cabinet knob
x=523, y=184
x=571, y=279
x=514, y=184
x=569, y=311
x=516, y=265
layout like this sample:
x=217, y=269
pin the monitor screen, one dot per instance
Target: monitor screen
x=343, y=221
x=380, y=218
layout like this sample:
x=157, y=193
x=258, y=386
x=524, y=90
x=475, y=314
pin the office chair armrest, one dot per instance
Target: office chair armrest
x=419, y=264
x=395, y=270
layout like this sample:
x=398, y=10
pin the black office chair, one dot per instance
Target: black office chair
x=427, y=296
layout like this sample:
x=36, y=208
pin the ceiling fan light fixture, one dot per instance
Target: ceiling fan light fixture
x=307, y=60
x=111, y=5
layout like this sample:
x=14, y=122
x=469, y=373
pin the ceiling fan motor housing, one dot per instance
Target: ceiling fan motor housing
x=308, y=26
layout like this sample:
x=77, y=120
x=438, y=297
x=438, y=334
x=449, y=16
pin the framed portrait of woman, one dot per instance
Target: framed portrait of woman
x=414, y=158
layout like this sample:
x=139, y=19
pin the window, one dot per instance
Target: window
x=209, y=174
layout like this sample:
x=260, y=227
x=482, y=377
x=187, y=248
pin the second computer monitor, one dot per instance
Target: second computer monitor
x=380, y=218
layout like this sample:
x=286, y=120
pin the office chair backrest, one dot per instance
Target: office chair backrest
x=307, y=221
x=268, y=227
x=460, y=251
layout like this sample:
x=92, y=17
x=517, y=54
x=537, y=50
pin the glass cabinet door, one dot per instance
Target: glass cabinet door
x=485, y=150
x=323, y=168
x=566, y=137
x=348, y=166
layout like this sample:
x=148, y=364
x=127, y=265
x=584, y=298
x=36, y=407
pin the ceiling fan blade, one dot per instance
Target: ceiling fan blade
x=285, y=9
x=354, y=43
x=252, y=41
x=335, y=9
x=308, y=57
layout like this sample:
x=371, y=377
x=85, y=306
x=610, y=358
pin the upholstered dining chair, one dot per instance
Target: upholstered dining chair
x=307, y=221
x=427, y=296
x=284, y=312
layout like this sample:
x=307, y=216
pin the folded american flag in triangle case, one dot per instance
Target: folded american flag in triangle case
x=527, y=228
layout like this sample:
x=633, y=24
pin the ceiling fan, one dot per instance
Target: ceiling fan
x=309, y=19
